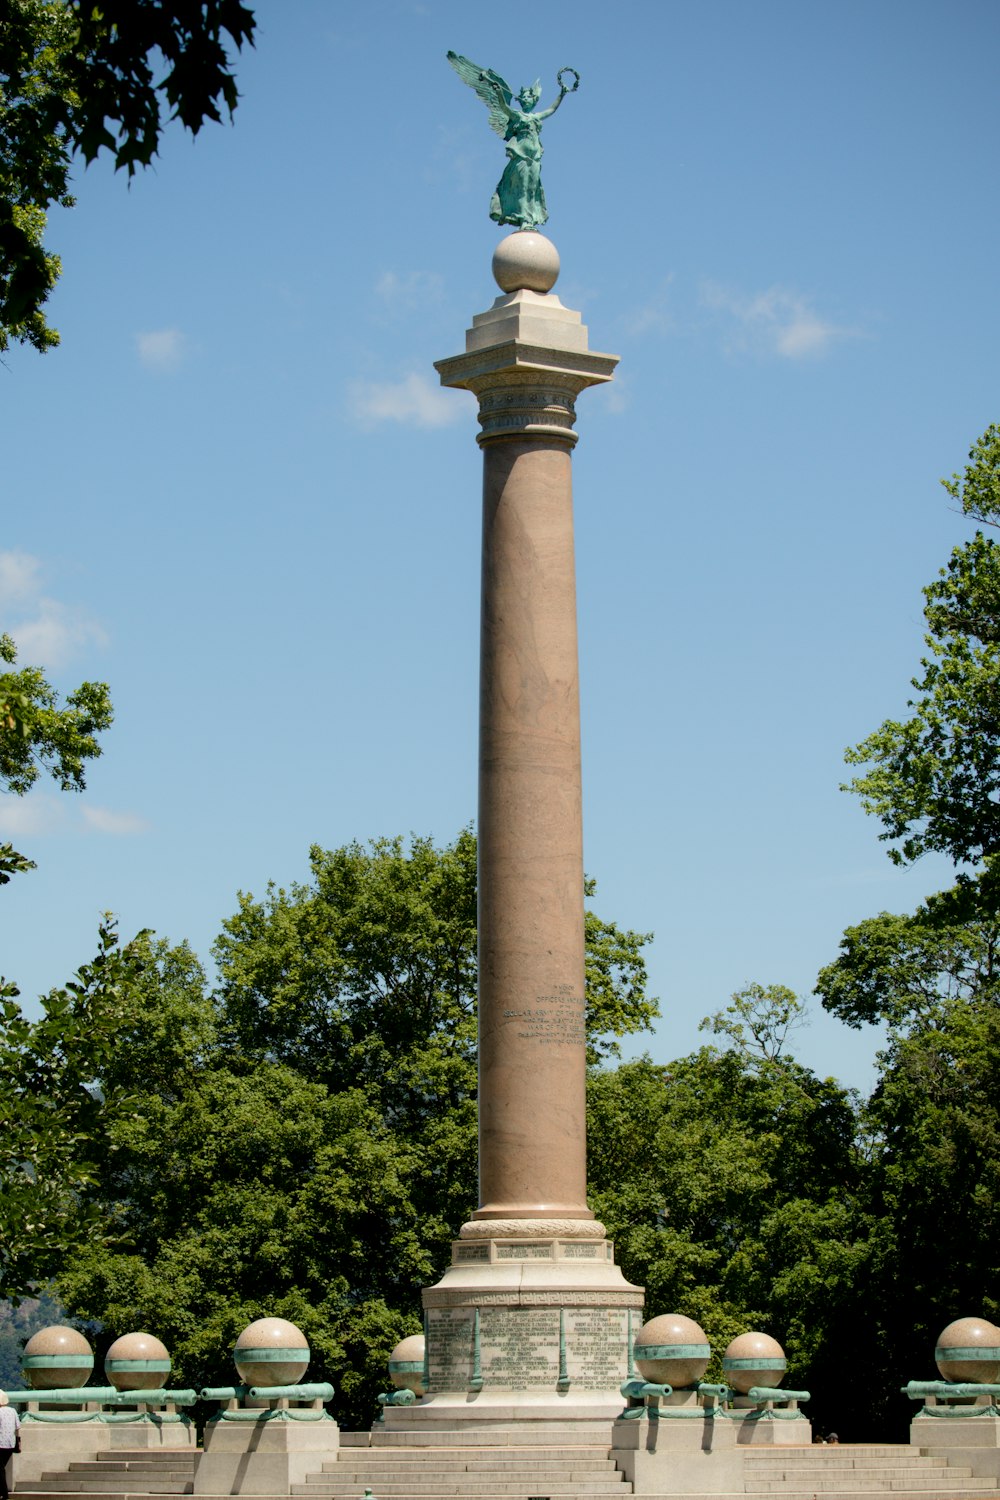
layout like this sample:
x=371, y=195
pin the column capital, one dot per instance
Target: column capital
x=527, y=360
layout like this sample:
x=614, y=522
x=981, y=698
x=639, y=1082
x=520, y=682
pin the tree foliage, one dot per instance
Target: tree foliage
x=305, y=1140
x=37, y=735
x=78, y=78
x=52, y=1117
x=934, y=778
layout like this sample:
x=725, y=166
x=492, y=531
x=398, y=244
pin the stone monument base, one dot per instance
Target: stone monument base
x=263, y=1455
x=532, y=1324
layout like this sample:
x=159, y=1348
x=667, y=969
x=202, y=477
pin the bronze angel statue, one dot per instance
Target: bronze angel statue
x=519, y=199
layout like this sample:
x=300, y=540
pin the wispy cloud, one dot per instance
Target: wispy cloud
x=48, y=633
x=118, y=824
x=409, y=292
x=41, y=812
x=654, y=315
x=161, y=349
x=38, y=813
x=414, y=401
x=780, y=322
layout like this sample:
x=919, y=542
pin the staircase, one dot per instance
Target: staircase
x=468, y=1474
x=858, y=1471
x=110, y=1475
x=846, y=1472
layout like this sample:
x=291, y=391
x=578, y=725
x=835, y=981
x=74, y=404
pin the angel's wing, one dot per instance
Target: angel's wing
x=488, y=85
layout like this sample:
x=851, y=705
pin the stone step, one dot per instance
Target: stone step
x=143, y=1458
x=119, y=1466
x=112, y=1484
x=841, y=1473
x=456, y=1464
x=953, y=1479
x=525, y=1490
x=533, y=1452
x=837, y=1458
x=458, y=1484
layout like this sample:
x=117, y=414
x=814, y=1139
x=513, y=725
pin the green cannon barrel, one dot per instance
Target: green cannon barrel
x=152, y=1398
x=776, y=1393
x=722, y=1391
x=919, y=1390
x=318, y=1392
x=78, y=1395
x=638, y=1388
x=224, y=1392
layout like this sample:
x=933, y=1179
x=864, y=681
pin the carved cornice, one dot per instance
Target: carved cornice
x=532, y=1229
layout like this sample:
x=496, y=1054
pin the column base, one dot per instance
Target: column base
x=532, y=1325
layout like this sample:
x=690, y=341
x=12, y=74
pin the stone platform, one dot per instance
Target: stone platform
x=470, y=1465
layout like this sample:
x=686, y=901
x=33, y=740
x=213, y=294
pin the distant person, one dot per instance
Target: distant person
x=10, y=1439
x=832, y=1437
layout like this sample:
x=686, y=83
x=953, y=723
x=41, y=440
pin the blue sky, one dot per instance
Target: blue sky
x=237, y=494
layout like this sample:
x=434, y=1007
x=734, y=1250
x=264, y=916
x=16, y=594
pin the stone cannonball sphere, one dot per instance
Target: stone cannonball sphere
x=137, y=1362
x=525, y=261
x=672, y=1350
x=753, y=1359
x=406, y=1364
x=57, y=1357
x=969, y=1349
x=271, y=1351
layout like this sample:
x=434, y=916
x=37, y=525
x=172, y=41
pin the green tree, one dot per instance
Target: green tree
x=37, y=735
x=305, y=1139
x=79, y=78
x=934, y=778
x=53, y=1118
x=730, y=1182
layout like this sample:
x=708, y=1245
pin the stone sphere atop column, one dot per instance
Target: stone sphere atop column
x=406, y=1364
x=969, y=1349
x=753, y=1359
x=672, y=1350
x=526, y=261
x=271, y=1351
x=57, y=1357
x=137, y=1362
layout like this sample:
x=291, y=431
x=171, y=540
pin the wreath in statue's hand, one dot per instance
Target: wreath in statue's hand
x=576, y=80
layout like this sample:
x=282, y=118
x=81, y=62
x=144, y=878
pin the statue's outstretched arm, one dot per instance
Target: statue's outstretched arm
x=543, y=114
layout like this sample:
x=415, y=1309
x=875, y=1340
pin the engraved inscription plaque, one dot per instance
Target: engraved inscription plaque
x=523, y=1252
x=450, y=1349
x=596, y=1347
x=553, y=1020
x=520, y=1347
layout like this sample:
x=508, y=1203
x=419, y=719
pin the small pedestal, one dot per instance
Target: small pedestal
x=263, y=1453
x=968, y=1435
x=691, y=1449
x=152, y=1430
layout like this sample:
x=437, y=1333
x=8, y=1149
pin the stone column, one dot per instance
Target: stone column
x=531, y=1324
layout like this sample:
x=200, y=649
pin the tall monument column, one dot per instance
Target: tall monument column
x=532, y=1323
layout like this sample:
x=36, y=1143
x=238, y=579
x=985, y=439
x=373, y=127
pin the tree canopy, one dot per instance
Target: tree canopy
x=934, y=778
x=78, y=79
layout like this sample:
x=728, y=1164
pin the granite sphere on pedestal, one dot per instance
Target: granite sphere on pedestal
x=969, y=1350
x=526, y=262
x=406, y=1364
x=672, y=1350
x=137, y=1362
x=753, y=1359
x=271, y=1351
x=55, y=1358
